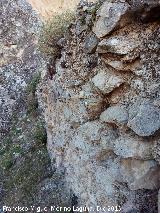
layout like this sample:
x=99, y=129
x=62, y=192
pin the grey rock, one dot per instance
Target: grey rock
x=121, y=45
x=128, y=146
x=106, y=81
x=110, y=17
x=115, y=114
x=145, y=118
x=91, y=43
x=20, y=60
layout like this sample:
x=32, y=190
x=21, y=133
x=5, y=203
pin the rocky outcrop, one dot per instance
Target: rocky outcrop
x=26, y=174
x=102, y=111
x=20, y=59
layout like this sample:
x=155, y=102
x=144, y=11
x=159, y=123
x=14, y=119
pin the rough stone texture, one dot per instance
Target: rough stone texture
x=26, y=175
x=144, y=118
x=111, y=16
x=20, y=59
x=140, y=174
x=98, y=162
x=115, y=114
x=101, y=146
x=107, y=164
x=128, y=146
x=118, y=45
x=91, y=43
x=107, y=81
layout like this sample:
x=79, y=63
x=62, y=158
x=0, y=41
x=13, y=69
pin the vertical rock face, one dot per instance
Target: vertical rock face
x=26, y=174
x=20, y=59
x=102, y=110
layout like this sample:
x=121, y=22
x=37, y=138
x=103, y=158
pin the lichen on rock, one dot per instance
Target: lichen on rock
x=102, y=121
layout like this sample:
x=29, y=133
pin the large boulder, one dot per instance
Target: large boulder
x=110, y=17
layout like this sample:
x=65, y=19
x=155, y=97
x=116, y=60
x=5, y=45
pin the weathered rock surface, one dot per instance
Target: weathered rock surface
x=103, y=121
x=128, y=146
x=115, y=114
x=141, y=174
x=91, y=43
x=20, y=59
x=117, y=45
x=111, y=16
x=107, y=81
x=26, y=174
x=144, y=118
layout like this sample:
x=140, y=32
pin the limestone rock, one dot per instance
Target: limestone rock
x=145, y=118
x=111, y=16
x=91, y=43
x=107, y=82
x=88, y=150
x=115, y=114
x=20, y=60
x=120, y=65
x=94, y=103
x=120, y=45
x=127, y=146
x=140, y=174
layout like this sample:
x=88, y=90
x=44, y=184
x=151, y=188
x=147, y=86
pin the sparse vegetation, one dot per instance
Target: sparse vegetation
x=40, y=134
x=32, y=102
x=52, y=31
x=94, y=10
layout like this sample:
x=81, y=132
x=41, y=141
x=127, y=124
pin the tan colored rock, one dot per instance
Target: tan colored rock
x=94, y=103
x=140, y=174
x=119, y=64
x=47, y=8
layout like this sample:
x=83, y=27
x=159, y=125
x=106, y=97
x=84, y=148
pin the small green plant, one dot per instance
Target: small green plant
x=32, y=103
x=52, y=31
x=6, y=161
x=33, y=84
x=94, y=10
x=40, y=134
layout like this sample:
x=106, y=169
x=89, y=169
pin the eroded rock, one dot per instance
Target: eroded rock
x=88, y=147
x=91, y=43
x=144, y=118
x=141, y=174
x=110, y=17
x=118, y=45
x=115, y=114
x=127, y=146
x=106, y=81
